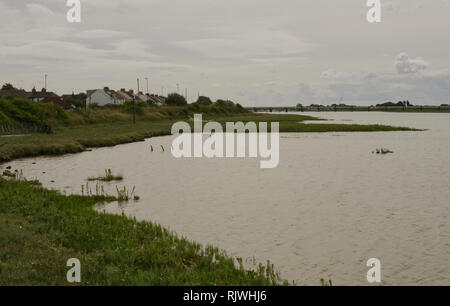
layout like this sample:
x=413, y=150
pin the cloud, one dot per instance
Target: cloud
x=251, y=51
x=98, y=34
x=333, y=74
x=249, y=43
x=406, y=65
x=39, y=10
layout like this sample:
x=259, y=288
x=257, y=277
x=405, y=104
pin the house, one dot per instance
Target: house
x=158, y=100
x=142, y=97
x=73, y=96
x=43, y=96
x=127, y=95
x=103, y=97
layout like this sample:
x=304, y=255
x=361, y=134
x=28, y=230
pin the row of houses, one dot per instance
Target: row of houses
x=107, y=96
x=43, y=96
x=100, y=97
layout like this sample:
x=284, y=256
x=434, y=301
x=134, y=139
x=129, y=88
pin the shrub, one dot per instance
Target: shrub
x=202, y=100
x=175, y=99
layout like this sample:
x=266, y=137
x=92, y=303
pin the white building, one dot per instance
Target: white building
x=102, y=97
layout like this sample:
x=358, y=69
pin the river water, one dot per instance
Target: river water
x=329, y=206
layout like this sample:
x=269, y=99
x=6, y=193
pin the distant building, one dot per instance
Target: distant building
x=155, y=99
x=127, y=95
x=43, y=96
x=102, y=97
x=142, y=97
x=80, y=96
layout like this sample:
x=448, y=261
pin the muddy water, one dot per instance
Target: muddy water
x=329, y=206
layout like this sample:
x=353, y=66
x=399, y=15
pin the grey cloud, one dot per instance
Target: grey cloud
x=406, y=65
x=253, y=51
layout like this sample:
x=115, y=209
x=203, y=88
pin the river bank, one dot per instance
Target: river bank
x=41, y=229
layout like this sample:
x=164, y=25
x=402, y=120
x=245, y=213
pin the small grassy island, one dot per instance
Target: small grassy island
x=41, y=229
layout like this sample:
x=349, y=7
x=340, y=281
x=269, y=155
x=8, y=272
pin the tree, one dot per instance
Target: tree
x=204, y=100
x=7, y=86
x=175, y=99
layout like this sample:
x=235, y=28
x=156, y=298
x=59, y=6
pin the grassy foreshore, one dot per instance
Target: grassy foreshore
x=41, y=229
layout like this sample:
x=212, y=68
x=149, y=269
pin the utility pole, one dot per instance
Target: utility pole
x=134, y=103
x=45, y=82
x=178, y=88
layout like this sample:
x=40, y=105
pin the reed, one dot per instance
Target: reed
x=108, y=177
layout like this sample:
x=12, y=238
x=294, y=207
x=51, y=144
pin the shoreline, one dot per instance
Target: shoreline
x=69, y=224
x=78, y=138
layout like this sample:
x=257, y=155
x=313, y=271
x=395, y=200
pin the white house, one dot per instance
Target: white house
x=158, y=100
x=142, y=97
x=104, y=96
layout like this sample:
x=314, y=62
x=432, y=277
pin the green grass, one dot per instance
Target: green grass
x=41, y=229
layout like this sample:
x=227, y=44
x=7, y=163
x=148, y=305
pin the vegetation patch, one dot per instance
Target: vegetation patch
x=382, y=151
x=41, y=229
x=108, y=177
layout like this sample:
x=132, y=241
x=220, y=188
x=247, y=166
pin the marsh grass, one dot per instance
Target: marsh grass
x=125, y=195
x=324, y=283
x=108, y=177
x=17, y=175
x=8, y=173
x=41, y=229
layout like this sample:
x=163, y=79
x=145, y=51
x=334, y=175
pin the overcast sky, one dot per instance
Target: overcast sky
x=255, y=52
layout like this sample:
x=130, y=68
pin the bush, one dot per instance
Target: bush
x=3, y=118
x=175, y=99
x=20, y=114
x=22, y=111
x=202, y=100
x=128, y=107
